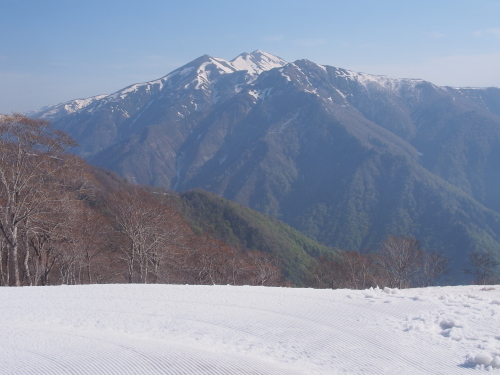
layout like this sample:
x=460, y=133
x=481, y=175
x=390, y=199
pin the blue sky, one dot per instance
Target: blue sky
x=57, y=50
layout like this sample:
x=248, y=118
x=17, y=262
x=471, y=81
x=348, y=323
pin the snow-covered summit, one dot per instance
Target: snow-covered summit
x=211, y=68
x=257, y=62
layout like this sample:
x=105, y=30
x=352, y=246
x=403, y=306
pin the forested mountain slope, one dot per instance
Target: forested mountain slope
x=243, y=227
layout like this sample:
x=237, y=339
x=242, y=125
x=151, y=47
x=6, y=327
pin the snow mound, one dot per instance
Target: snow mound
x=467, y=315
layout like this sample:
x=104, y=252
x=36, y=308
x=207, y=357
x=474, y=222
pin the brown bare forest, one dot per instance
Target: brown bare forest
x=60, y=224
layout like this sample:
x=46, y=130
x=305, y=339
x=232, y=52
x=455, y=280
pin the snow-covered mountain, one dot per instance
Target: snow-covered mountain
x=345, y=157
x=203, y=73
x=104, y=120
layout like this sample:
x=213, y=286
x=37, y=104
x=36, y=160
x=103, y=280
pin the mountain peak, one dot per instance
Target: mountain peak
x=257, y=62
x=260, y=54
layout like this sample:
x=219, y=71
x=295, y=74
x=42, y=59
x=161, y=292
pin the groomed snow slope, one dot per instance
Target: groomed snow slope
x=178, y=329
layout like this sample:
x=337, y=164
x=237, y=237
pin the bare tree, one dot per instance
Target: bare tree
x=358, y=270
x=324, y=273
x=207, y=261
x=266, y=269
x=84, y=244
x=434, y=266
x=33, y=162
x=147, y=232
x=43, y=249
x=175, y=237
x=348, y=269
x=402, y=260
x=484, y=267
x=240, y=269
x=90, y=245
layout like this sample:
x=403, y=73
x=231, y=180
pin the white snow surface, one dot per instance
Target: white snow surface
x=181, y=329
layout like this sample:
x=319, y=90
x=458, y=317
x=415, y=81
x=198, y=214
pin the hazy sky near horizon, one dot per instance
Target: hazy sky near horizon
x=57, y=50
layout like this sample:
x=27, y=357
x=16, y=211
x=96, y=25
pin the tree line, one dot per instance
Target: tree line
x=400, y=262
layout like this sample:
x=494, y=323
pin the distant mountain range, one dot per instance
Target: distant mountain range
x=346, y=158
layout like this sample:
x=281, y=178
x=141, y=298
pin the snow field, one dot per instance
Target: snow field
x=181, y=329
x=470, y=318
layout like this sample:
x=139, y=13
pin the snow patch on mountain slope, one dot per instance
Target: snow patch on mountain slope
x=204, y=72
x=78, y=104
x=385, y=82
x=323, y=68
x=66, y=107
x=467, y=88
x=146, y=86
x=340, y=93
x=283, y=74
x=261, y=94
x=313, y=91
x=287, y=122
x=140, y=113
x=223, y=65
x=160, y=82
x=202, y=76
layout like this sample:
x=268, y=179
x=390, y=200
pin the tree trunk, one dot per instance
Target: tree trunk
x=14, y=263
x=27, y=272
x=4, y=272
